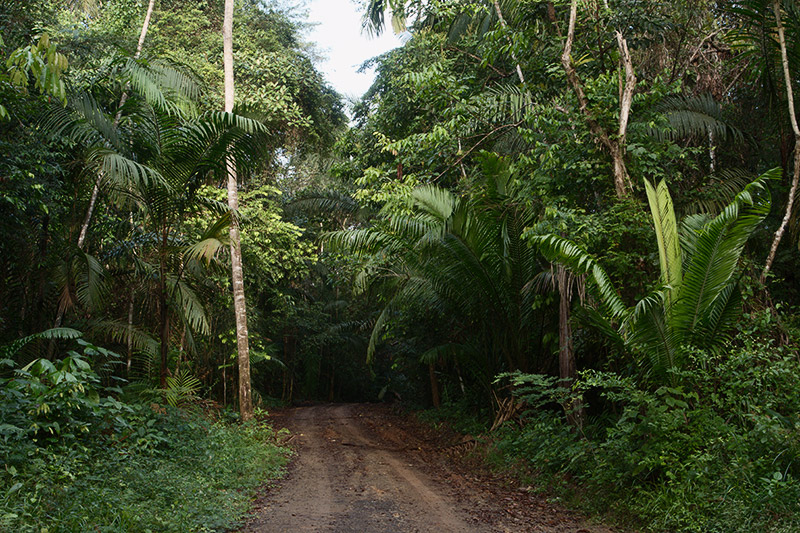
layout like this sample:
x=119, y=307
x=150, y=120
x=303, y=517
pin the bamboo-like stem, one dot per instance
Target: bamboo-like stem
x=504, y=25
x=615, y=146
x=117, y=119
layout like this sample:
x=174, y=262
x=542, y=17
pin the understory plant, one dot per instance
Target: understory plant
x=718, y=453
x=75, y=456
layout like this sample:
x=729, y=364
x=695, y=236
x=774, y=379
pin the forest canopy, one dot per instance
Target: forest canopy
x=567, y=225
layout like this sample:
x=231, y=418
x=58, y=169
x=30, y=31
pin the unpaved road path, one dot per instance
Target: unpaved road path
x=361, y=468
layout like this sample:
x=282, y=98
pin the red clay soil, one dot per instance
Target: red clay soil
x=364, y=468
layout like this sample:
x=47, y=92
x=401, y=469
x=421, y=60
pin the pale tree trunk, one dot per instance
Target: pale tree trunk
x=615, y=146
x=96, y=188
x=503, y=25
x=117, y=118
x=237, y=274
x=787, y=78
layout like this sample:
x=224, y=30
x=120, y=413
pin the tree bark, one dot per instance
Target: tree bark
x=615, y=146
x=163, y=302
x=787, y=78
x=130, y=333
x=237, y=273
x=567, y=369
x=566, y=352
x=437, y=402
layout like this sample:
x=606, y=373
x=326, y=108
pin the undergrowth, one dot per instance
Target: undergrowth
x=717, y=452
x=74, y=457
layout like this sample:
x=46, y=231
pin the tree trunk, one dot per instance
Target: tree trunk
x=566, y=352
x=117, y=118
x=96, y=188
x=503, y=25
x=237, y=273
x=130, y=334
x=434, y=387
x=614, y=145
x=163, y=311
x=567, y=368
x=787, y=78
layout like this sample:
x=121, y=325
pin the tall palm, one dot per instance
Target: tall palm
x=697, y=300
x=98, y=182
x=154, y=167
x=237, y=274
x=187, y=155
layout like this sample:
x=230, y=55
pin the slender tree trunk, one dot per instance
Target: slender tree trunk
x=566, y=352
x=130, y=333
x=434, y=386
x=117, y=118
x=787, y=78
x=614, y=145
x=237, y=273
x=567, y=369
x=163, y=309
x=503, y=25
x=96, y=188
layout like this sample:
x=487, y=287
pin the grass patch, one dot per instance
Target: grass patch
x=201, y=476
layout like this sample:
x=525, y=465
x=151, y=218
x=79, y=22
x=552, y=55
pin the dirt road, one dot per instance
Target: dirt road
x=359, y=468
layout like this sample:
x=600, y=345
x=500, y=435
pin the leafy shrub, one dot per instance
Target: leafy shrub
x=75, y=458
x=718, y=452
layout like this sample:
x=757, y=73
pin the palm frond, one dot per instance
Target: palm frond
x=666, y=226
x=557, y=249
x=213, y=239
x=717, y=250
x=695, y=116
x=181, y=388
x=190, y=306
x=8, y=351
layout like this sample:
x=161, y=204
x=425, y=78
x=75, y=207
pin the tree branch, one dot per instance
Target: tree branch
x=787, y=78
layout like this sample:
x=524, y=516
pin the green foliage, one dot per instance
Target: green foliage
x=76, y=457
x=40, y=62
x=697, y=303
x=462, y=259
x=718, y=453
x=181, y=388
x=55, y=402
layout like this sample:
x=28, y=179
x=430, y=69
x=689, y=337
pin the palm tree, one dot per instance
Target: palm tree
x=99, y=181
x=237, y=274
x=697, y=300
x=155, y=171
x=464, y=260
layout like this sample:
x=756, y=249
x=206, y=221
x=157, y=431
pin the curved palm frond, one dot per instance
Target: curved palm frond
x=213, y=239
x=558, y=249
x=717, y=250
x=8, y=351
x=666, y=226
x=694, y=116
x=190, y=306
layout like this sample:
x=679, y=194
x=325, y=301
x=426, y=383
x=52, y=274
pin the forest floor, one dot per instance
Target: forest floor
x=366, y=468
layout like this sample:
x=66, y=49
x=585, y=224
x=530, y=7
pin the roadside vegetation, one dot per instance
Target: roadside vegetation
x=568, y=227
x=81, y=456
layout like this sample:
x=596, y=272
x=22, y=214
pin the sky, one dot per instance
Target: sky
x=344, y=46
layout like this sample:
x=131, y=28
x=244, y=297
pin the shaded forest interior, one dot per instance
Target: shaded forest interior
x=568, y=227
